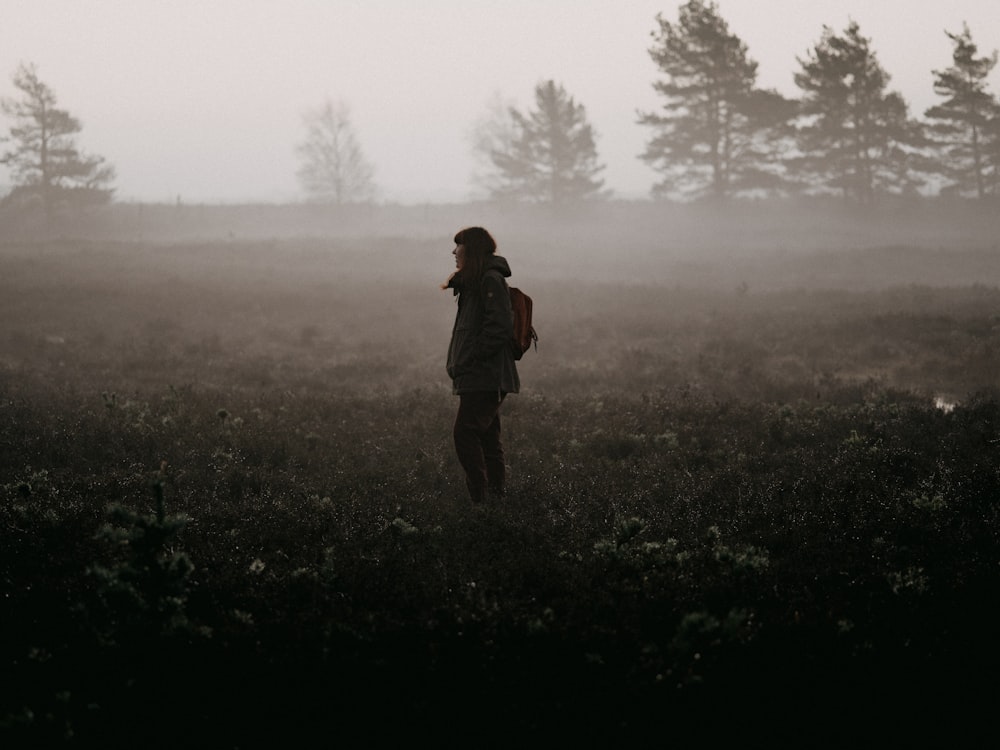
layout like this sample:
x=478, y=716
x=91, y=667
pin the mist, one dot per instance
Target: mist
x=767, y=244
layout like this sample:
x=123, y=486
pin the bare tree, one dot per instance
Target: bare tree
x=493, y=133
x=44, y=160
x=333, y=165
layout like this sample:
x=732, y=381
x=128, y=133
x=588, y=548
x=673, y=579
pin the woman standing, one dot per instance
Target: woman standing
x=480, y=360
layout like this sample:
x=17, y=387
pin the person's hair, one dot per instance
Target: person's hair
x=479, y=246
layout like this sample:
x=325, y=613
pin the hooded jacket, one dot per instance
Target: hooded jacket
x=479, y=355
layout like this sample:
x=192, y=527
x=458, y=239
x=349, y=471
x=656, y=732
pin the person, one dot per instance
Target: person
x=480, y=361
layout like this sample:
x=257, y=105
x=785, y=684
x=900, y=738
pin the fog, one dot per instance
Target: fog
x=814, y=243
x=202, y=102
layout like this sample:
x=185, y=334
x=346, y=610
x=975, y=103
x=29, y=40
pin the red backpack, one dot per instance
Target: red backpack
x=524, y=332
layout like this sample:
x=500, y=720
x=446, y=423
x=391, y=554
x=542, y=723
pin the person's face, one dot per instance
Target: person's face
x=459, y=253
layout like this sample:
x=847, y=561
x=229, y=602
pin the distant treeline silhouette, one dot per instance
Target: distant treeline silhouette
x=717, y=135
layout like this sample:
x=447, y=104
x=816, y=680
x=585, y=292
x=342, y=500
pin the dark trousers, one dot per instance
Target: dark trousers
x=477, y=442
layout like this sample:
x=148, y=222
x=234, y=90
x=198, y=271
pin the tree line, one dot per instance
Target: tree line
x=716, y=135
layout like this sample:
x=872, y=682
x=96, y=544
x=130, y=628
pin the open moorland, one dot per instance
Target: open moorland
x=753, y=489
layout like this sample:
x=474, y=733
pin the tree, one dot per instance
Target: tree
x=853, y=137
x=494, y=132
x=43, y=157
x=718, y=135
x=992, y=155
x=333, y=166
x=550, y=155
x=962, y=124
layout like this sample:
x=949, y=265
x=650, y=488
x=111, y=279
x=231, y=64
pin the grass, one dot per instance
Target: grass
x=230, y=509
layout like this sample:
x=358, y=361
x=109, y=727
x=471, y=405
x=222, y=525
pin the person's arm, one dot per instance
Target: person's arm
x=498, y=323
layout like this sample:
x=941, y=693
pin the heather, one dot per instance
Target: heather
x=230, y=509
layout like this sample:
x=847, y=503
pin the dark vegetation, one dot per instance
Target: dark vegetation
x=748, y=502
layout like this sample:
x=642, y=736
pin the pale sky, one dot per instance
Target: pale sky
x=203, y=99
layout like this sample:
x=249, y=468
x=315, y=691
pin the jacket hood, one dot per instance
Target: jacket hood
x=498, y=263
x=495, y=263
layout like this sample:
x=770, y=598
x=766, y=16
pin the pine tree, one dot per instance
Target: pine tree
x=964, y=124
x=992, y=154
x=44, y=160
x=854, y=136
x=333, y=165
x=718, y=135
x=552, y=155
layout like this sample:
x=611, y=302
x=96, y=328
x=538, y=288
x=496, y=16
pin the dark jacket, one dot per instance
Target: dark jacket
x=479, y=355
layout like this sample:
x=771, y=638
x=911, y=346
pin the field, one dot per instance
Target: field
x=753, y=495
